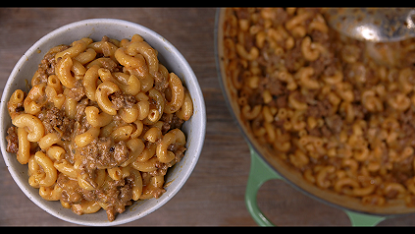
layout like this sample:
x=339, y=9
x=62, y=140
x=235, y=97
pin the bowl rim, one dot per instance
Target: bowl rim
x=198, y=141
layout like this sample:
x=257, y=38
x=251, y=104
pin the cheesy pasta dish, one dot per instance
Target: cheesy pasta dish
x=338, y=110
x=100, y=125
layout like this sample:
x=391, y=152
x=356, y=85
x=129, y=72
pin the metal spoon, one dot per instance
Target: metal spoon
x=373, y=24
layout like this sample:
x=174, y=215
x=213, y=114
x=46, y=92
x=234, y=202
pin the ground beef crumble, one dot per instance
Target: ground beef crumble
x=12, y=140
x=56, y=121
x=103, y=153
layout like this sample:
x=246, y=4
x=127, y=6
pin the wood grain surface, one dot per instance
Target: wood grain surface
x=214, y=193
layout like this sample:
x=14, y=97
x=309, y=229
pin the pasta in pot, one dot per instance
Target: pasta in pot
x=91, y=123
x=322, y=103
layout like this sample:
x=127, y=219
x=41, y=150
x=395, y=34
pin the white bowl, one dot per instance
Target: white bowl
x=168, y=55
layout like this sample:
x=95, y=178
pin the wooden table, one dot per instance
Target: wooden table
x=214, y=194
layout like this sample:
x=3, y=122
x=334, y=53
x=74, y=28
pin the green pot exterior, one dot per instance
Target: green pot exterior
x=261, y=172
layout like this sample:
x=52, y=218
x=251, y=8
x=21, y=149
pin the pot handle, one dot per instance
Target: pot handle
x=260, y=172
x=359, y=219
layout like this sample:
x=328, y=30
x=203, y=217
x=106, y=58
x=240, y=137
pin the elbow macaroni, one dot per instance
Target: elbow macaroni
x=101, y=116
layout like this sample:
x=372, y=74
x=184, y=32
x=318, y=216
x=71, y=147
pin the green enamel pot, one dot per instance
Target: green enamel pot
x=267, y=166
